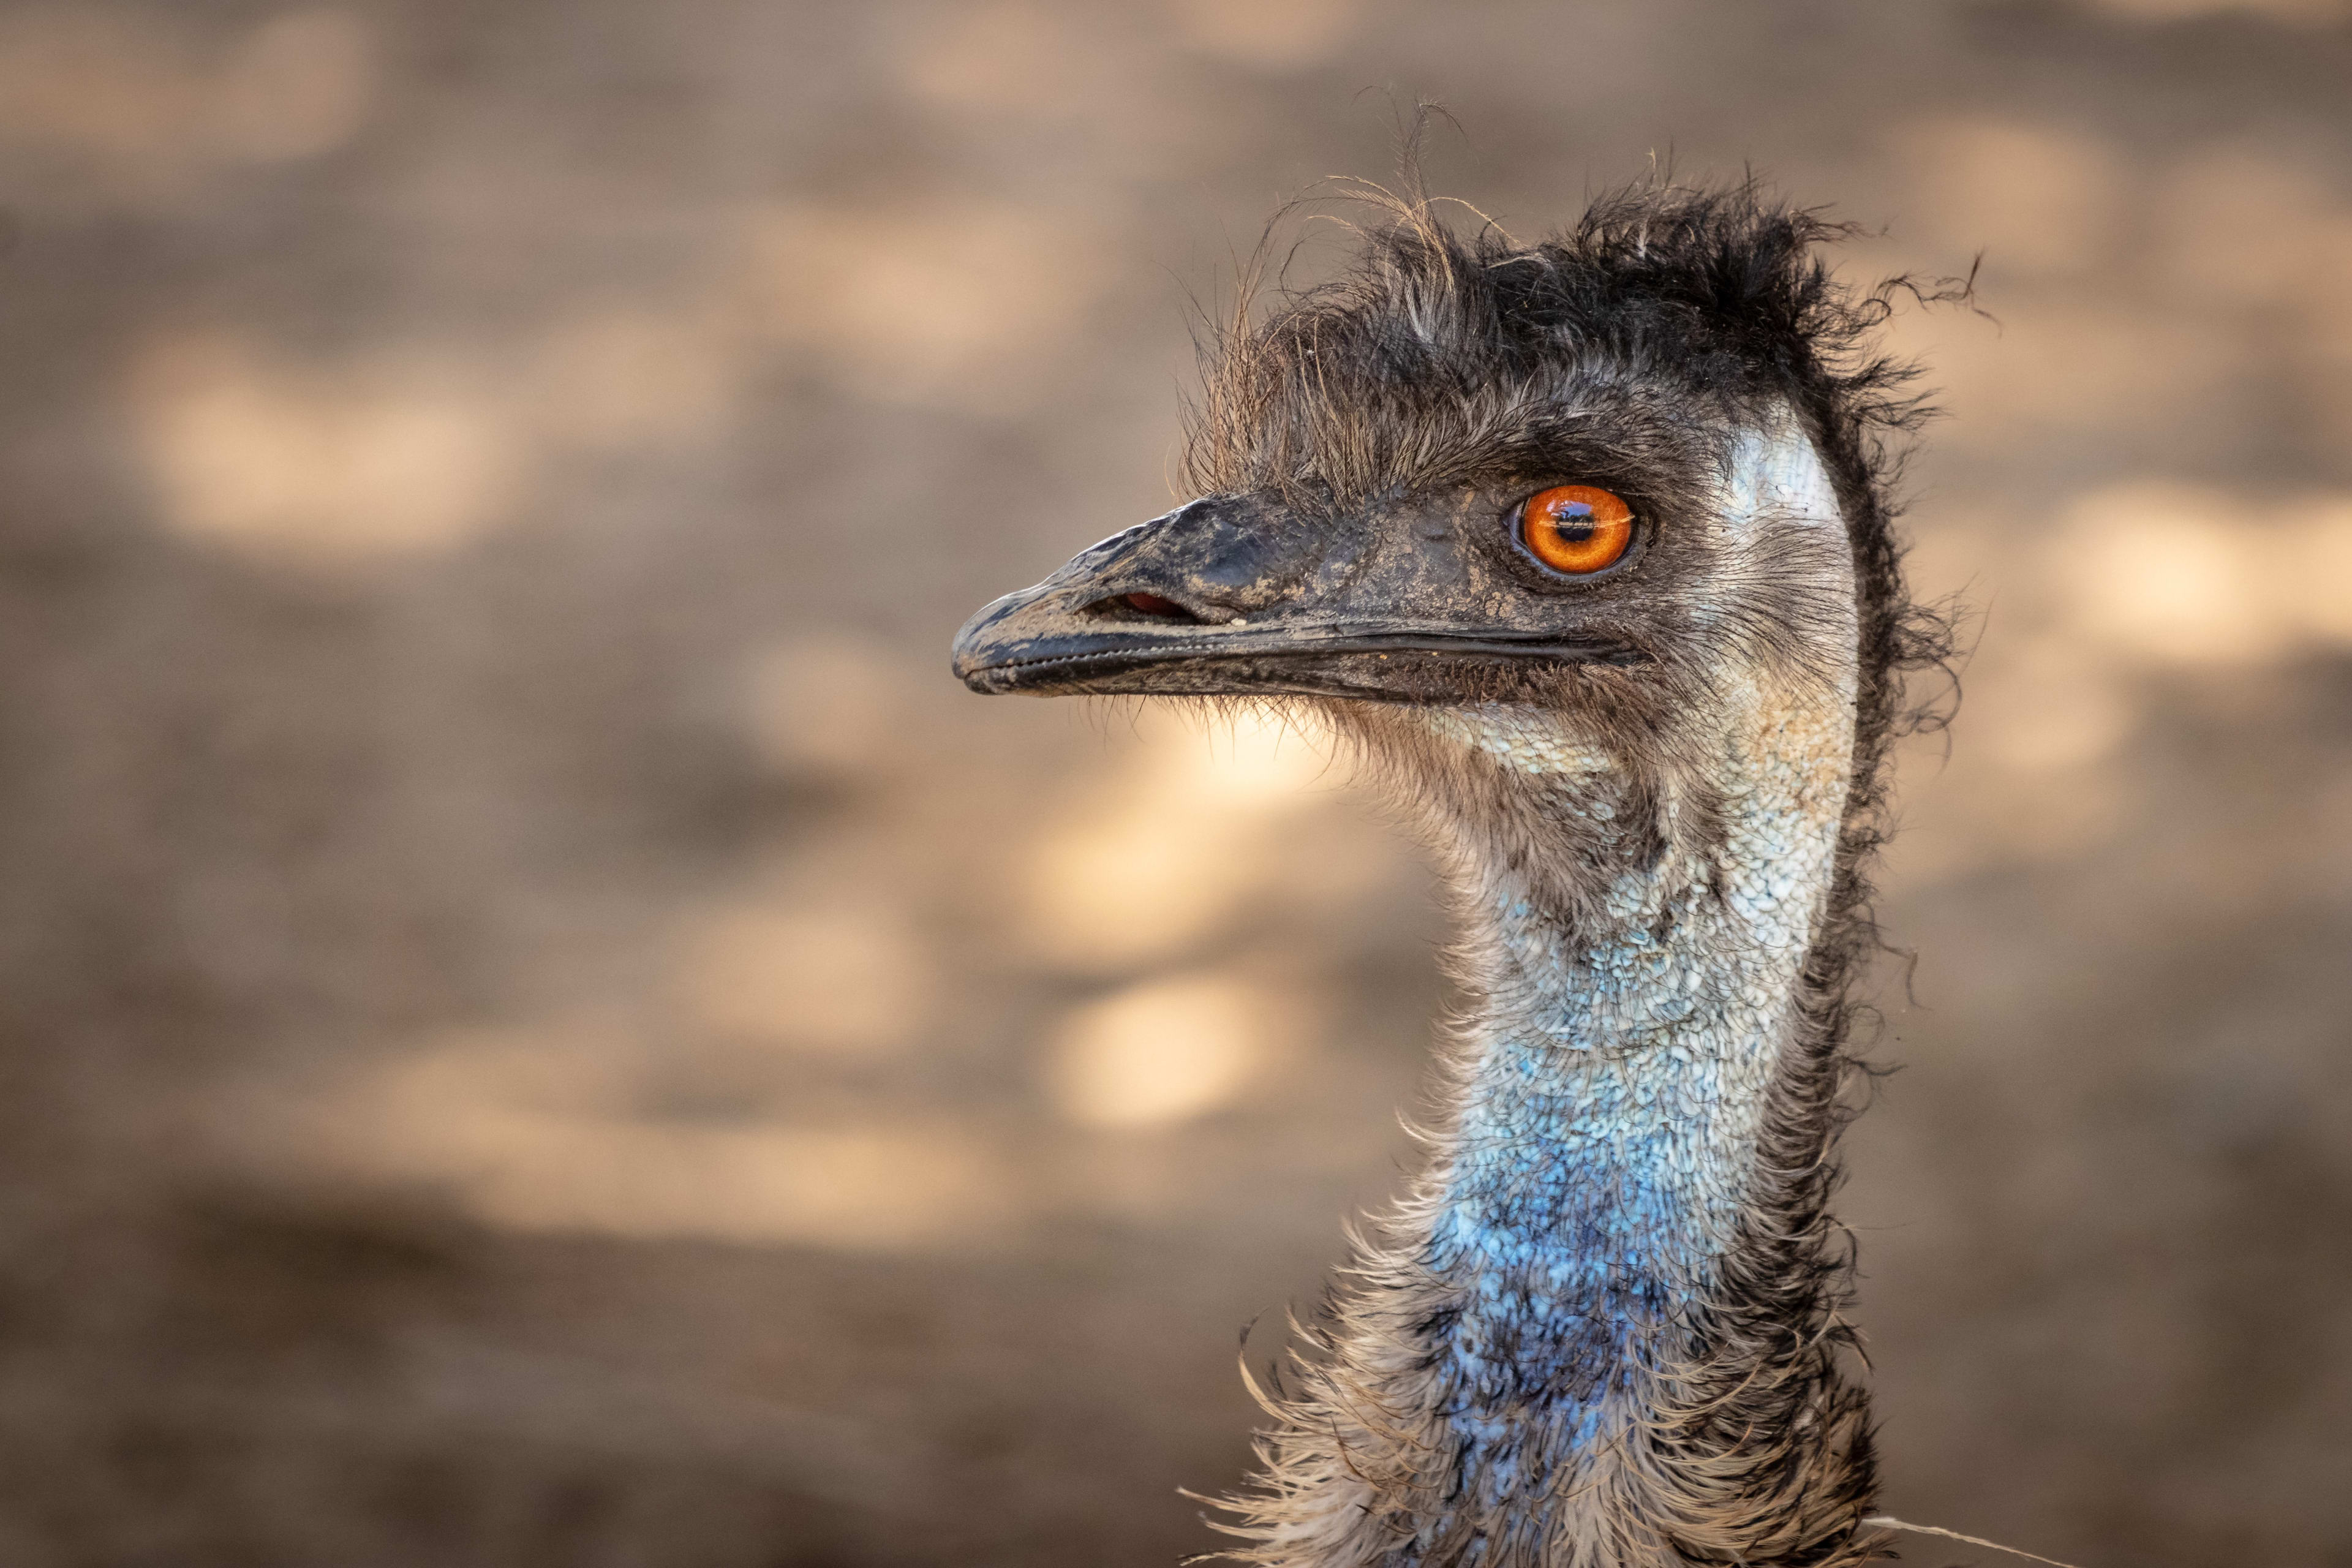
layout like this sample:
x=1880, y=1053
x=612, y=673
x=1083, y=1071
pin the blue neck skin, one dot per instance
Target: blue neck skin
x=1585, y=1200
x=1611, y=1103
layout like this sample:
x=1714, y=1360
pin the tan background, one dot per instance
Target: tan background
x=541, y=1028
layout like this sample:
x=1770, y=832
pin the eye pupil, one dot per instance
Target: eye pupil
x=1576, y=530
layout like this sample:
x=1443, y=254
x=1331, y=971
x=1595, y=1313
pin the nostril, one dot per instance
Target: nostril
x=1152, y=604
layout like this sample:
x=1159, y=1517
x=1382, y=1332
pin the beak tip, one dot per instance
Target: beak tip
x=969, y=671
x=971, y=664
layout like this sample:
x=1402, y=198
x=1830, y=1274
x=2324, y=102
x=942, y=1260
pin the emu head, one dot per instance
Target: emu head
x=1600, y=509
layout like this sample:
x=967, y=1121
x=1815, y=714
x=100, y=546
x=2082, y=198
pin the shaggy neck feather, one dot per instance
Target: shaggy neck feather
x=1620, y=1054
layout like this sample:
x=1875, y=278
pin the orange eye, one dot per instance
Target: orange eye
x=1576, y=528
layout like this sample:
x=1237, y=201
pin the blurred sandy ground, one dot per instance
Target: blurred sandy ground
x=542, y=1029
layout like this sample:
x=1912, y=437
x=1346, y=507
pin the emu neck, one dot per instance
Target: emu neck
x=1620, y=1056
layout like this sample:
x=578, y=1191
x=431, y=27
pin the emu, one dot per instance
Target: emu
x=1585, y=547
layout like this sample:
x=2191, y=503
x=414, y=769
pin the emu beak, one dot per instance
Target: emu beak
x=1230, y=596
